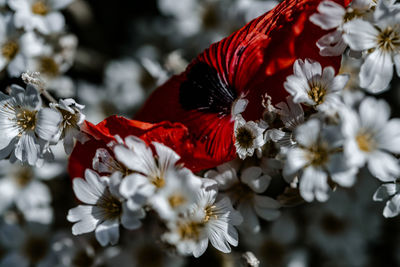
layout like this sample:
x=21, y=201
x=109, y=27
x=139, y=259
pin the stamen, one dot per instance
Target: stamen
x=317, y=94
x=110, y=205
x=244, y=137
x=40, y=8
x=365, y=141
x=10, y=49
x=389, y=39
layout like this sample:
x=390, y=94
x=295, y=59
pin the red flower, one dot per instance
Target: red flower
x=173, y=135
x=251, y=62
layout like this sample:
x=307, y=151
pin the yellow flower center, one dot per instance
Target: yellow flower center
x=318, y=155
x=317, y=94
x=9, y=49
x=365, y=141
x=49, y=66
x=40, y=8
x=389, y=39
x=209, y=213
x=26, y=120
x=190, y=230
x=176, y=200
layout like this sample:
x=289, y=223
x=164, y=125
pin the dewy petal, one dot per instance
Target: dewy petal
x=385, y=191
x=108, y=232
x=331, y=15
x=360, y=35
x=48, y=122
x=376, y=72
x=383, y=166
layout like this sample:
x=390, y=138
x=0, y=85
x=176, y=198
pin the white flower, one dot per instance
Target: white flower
x=313, y=86
x=380, y=43
x=206, y=220
x=389, y=192
x=371, y=137
x=318, y=157
x=245, y=193
x=332, y=16
x=16, y=49
x=42, y=15
x=249, y=136
x=105, y=208
x=72, y=120
x=24, y=125
x=149, y=170
x=20, y=186
x=177, y=195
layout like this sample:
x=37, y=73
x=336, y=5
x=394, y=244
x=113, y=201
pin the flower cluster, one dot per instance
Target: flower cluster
x=284, y=111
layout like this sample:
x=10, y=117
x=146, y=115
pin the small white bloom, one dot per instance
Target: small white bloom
x=207, y=220
x=246, y=193
x=249, y=136
x=317, y=157
x=313, y=86
x=25, y=126
x=332, y=16
x=72, y=120
x=177, y=195
x=371, y=137
x=149, y=170
x=105, y=208
x=389, y=192
x=379, y=41
x=21, y=186
x=42, y=15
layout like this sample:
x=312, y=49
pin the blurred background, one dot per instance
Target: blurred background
x=114, y=54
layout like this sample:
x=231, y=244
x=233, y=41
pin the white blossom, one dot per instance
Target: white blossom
x=249, y=136
x=25, y=126
x=371, y=138
x=246, y=193
x=314, y=86
x=207, y=220
x=41, y=15
x=104, y=210
x=379, y=41
x=316, y=158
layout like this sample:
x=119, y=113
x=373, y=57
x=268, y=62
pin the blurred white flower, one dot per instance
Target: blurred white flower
x=389, y=192
x=379, y=41
x=177, y=195
x=207, y=220
x=17, y=48
x=105, y=208
x=245, y=193
x=21, y=186
x=42, y=15
x=72, y=120
x=149, y=170
x=371, y=137
x=314, y=86
x=123, y=80
x=25, y=126
x=249, y=137
x=317, y=157
x=332, y=16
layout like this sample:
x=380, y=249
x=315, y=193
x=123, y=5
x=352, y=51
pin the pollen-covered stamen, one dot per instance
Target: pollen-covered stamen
x=210, y=213
x=389, y=39
x=244, y=137
x=70, y=120
x=317, y=93
x=365, y=141
x=40, y=8
x=190, y=230
x=352, y=14
x=9, y=49
x=49, y=66
x=318, y=154
x=110, y=206
x=26, y=119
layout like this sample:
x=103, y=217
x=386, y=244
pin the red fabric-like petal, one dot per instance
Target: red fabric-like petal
x=173, y=135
